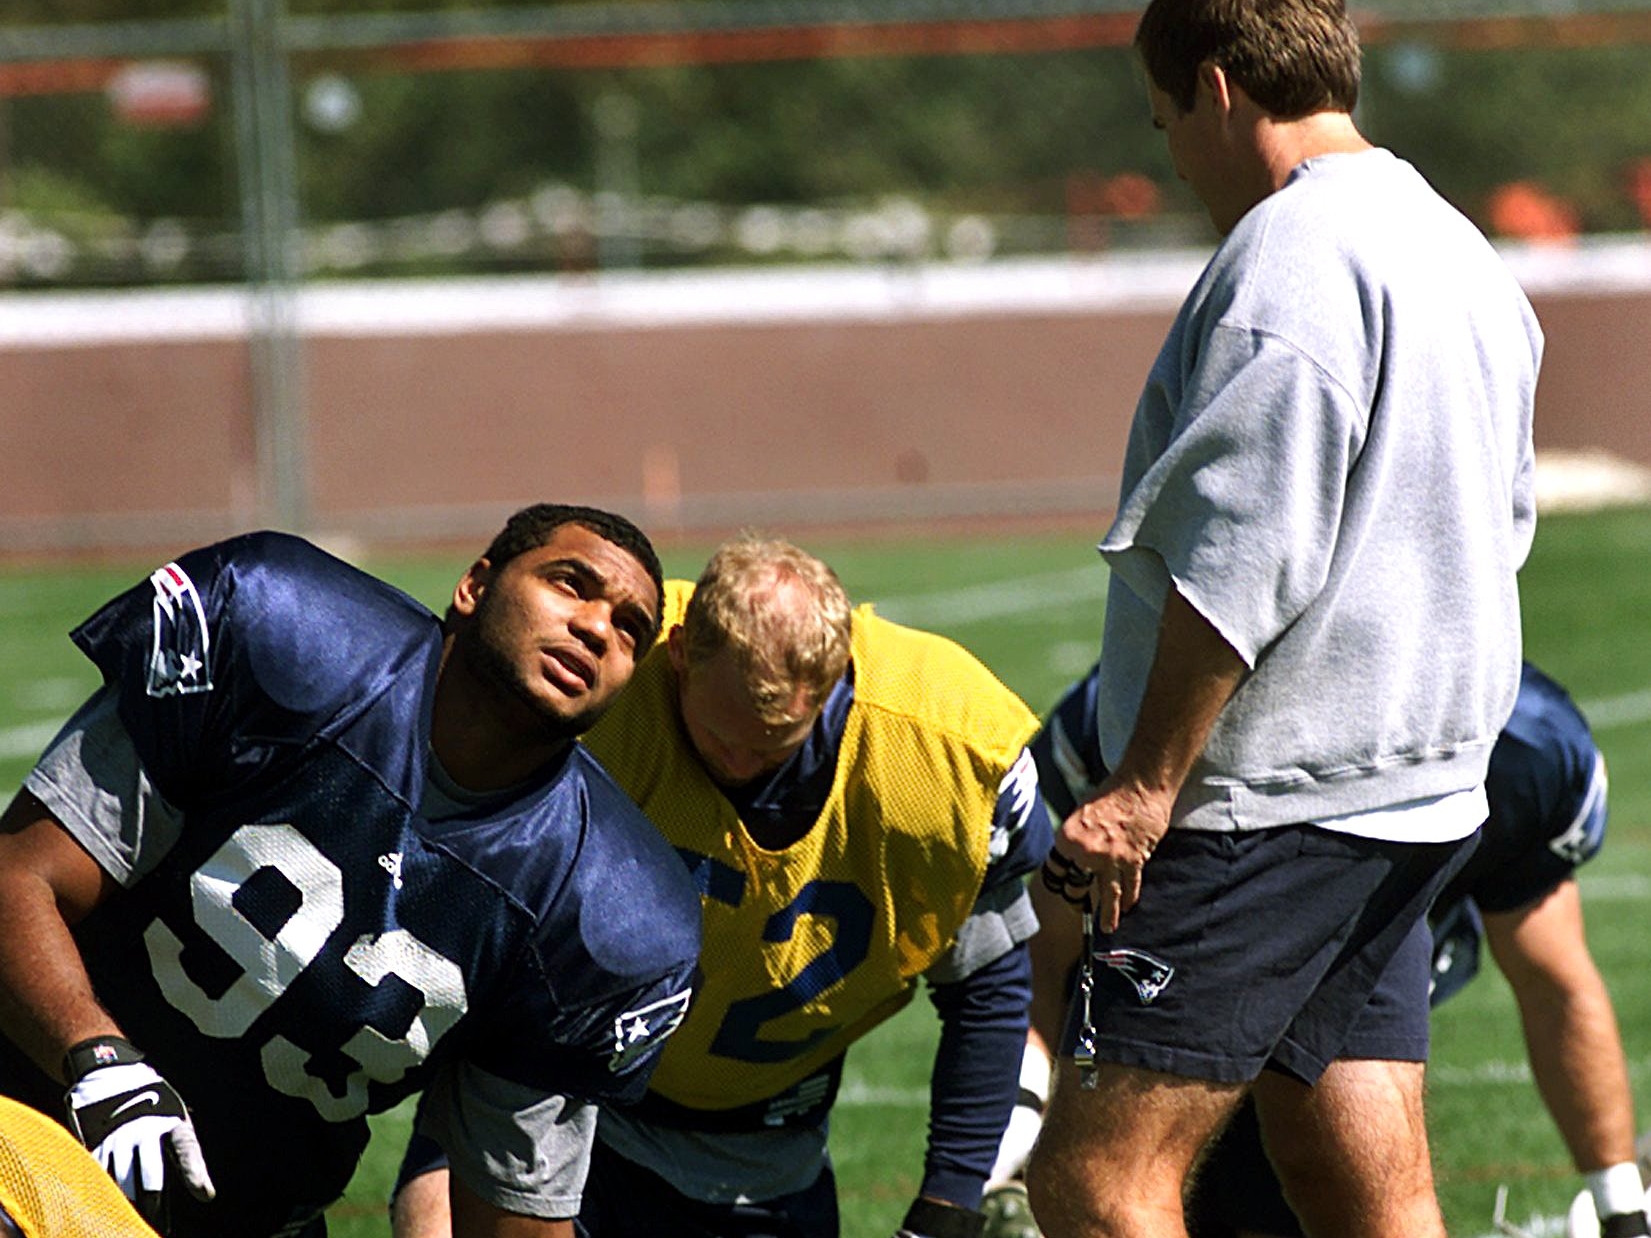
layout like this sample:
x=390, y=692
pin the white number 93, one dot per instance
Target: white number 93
x=269, y=965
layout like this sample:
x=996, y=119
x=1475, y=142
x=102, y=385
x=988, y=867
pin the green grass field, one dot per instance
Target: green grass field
x=1031, y=609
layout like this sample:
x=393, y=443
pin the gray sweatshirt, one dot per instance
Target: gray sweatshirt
x=1332, y=462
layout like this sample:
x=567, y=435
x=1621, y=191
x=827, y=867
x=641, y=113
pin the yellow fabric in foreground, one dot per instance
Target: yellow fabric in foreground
x=50, y=1187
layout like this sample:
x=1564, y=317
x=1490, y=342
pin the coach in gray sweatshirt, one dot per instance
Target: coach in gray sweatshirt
x=1311, y=643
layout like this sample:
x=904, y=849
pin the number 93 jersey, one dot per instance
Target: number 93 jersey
x=309, y=948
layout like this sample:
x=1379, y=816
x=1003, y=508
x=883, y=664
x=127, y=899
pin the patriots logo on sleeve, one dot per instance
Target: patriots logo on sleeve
x=638, y=1032
x=180, y=658
x=1018, y=792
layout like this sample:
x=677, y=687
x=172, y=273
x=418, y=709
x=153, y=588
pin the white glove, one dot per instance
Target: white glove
x=135, y=1125
x=1025, y=1120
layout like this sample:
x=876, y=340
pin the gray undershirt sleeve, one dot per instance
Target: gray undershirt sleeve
x=90, y=779
x=514, y=1146
x=1001, y=920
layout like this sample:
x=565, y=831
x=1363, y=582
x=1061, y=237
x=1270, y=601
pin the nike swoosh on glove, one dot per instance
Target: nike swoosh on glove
x=136, y=1126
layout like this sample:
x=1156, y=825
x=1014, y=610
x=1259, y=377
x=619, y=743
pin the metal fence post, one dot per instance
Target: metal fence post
x=266, y=162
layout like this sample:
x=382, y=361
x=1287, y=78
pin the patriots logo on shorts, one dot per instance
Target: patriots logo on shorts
x=638, y=1032
x=180, y=658
x=1150, y=976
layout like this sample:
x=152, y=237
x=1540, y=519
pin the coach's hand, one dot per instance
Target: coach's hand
x=1102, y=847
x=134, y=1123
x=929, y=1218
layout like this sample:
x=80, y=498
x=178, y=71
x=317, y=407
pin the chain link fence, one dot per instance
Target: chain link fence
x=892, y=222
x=622, y=136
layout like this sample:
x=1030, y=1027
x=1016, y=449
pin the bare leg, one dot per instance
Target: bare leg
x=1352, y=1150
x=420, y=1208
x=1111, y=1161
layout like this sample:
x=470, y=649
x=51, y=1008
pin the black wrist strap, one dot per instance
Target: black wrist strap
x=1623, y=1225
x=934, y=1220
x=1026, y=1098
x=89, y=1055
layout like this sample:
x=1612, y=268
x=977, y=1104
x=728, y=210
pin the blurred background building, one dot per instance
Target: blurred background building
x=383, y=269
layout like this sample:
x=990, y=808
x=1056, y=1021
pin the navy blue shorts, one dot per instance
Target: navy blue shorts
x=623, y=1200
x=1283, y=948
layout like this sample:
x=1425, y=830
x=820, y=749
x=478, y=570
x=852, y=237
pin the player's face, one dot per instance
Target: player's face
x=559, y=628
x=733, y=742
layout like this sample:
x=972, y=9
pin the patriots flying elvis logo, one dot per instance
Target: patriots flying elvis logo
x=180, y=658
x=1150, y=976
x=638, y=1032
x=1583, y=837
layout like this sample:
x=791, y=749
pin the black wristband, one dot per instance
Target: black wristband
x=934, y=1220
x=1623, y=1225
x=89, y=1055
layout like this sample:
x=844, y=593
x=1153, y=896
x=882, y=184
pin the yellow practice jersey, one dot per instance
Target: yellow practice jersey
x=50, y=1187
x=808, y=948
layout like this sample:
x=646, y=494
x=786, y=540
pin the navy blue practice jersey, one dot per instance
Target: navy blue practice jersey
x=310, y=948
x=1547, y=790
x=1067, y=749
x=1545, y=784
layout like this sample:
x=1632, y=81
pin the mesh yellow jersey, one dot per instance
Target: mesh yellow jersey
x=807, y=948
x=50, y=1187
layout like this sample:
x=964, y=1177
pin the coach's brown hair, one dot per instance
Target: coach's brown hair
x=1292, y=57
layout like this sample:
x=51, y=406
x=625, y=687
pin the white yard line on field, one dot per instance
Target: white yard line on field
x=1614, y=887
x=28, y=739
x=1629, y=709
x=858, y=1094
x=997, y=598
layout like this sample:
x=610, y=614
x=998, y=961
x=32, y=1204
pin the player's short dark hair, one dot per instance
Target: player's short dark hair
x=1292, y=57
x=534, y=526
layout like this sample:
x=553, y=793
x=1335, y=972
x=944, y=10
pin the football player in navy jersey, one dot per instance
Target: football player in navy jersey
x=859, y=810
x=1546, y=787
x=311, y=849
